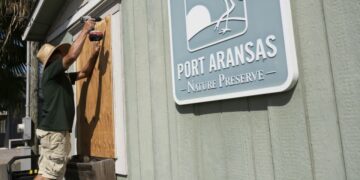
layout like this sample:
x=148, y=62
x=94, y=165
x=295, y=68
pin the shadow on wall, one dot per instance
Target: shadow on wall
x=253, y=103
x=88, y=127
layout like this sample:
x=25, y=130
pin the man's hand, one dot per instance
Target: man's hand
x=87, y=70
x=77, y=46
x=89, y=25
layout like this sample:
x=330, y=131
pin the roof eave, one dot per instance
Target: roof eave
x=25, y=35
x=41, y=19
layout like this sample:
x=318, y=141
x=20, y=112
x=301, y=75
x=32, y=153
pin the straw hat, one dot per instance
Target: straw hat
x=47, y=50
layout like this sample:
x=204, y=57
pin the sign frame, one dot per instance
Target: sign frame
x=290, y=53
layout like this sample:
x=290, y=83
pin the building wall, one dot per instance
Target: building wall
x=2, y=129
x=11, y=120
x=310, y=132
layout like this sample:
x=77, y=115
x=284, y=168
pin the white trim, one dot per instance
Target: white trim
x=118, y=95
x=3, y=113
x=75, y=29
x=85, y=10
x=32, y=19
x=290, y=47
x=73, y=135
x=290, y=51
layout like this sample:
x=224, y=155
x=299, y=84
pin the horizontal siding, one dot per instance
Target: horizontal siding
x=342, y=20
x=158, y=89
x=131, y=92
x=291, y=135
x=318, y=91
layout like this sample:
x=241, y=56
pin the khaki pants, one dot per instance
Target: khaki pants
x=54, y=151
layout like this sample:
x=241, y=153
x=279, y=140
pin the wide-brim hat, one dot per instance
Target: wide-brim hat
x=47, y=50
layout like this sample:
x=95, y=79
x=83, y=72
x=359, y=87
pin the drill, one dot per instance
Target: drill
x=93, y=35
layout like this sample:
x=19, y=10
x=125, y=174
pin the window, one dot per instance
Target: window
x=117, y=91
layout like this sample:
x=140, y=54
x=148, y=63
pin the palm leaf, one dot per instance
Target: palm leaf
x=13, y=20
x=14, y=15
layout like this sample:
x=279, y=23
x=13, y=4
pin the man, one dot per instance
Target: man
x=57, y=117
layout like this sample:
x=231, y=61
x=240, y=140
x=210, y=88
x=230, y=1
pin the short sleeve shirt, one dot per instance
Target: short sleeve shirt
x=58, y=109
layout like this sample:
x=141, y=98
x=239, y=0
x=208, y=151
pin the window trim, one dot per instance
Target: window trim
x=90, y=6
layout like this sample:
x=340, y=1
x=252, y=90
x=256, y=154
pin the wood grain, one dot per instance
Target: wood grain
x=95, y=100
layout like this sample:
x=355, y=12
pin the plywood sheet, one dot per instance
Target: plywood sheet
x=95, y=100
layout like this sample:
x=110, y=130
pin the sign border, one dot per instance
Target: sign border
x=290, y=53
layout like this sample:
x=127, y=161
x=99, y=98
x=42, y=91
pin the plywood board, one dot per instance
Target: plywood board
x=95, y=121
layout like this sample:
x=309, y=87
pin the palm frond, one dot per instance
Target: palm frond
x=14, y=15
x=13, y=19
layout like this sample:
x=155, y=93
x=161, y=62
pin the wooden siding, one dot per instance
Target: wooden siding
x=310, y=132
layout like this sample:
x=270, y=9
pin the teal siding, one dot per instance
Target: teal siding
x=342, y=20
x=310, y=132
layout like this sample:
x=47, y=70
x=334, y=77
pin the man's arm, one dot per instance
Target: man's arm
x=77, y=46
x=87, y=70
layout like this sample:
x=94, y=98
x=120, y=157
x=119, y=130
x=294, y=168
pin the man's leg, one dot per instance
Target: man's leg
x=54, y=150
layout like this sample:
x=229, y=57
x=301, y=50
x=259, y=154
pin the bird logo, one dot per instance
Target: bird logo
x=209, y=23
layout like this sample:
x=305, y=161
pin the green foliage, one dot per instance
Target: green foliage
x=12, y=73
x=13, y=20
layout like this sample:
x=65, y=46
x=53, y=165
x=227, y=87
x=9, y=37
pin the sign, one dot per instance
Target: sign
x=223, y=49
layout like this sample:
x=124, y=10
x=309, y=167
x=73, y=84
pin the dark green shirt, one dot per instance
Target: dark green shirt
x=58, y=108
